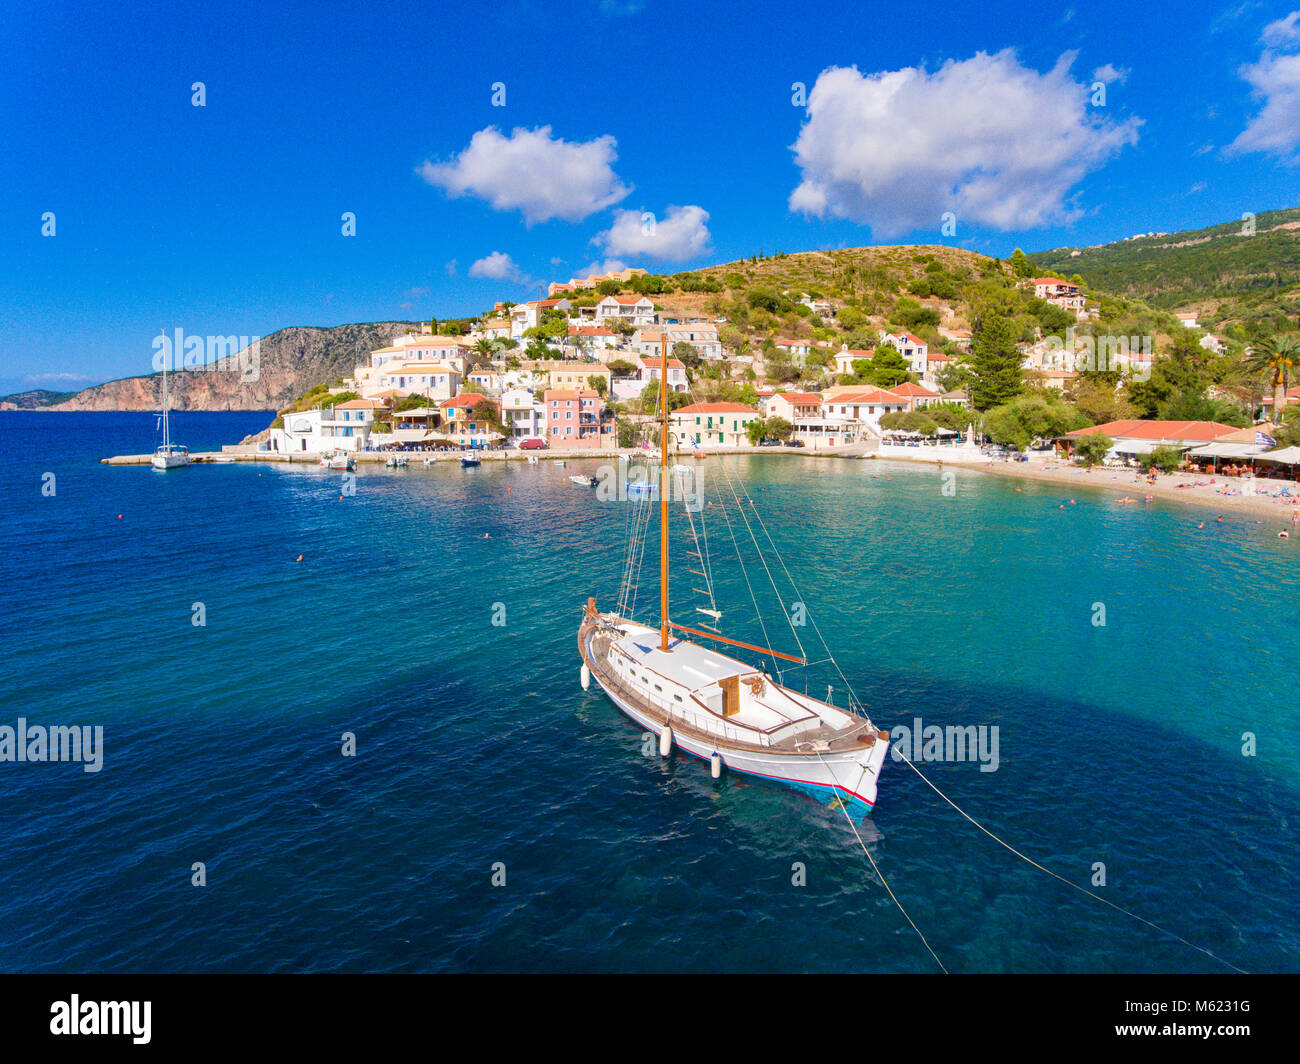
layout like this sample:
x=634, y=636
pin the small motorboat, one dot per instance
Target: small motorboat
x=470, y=460
x=339, y=460
x=586, y=480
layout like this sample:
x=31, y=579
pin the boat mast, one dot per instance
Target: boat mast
x=166, y=433
x=664, y=623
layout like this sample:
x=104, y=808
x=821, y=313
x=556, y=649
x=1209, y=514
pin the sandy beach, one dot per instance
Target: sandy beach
x=1219, y=493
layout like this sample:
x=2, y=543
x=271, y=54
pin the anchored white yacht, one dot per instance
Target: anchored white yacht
x=715, y=706
x=169, y=455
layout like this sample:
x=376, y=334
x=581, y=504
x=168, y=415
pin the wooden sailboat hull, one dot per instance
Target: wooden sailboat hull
x=847, y=775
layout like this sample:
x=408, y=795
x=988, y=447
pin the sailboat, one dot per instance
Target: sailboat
x=169, y=455
x=717, y=707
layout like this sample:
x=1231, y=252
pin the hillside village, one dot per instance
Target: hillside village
x=820, y=349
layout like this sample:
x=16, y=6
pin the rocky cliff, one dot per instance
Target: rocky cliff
x=288, y=363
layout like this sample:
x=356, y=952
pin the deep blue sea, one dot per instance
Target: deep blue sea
x=1120, y=744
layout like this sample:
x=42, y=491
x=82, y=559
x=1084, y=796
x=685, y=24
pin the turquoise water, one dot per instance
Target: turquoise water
x=1119, y=744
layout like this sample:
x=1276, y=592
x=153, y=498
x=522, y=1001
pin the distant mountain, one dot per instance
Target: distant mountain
x=289, y=362
x=35, y=399
x=1178, y=269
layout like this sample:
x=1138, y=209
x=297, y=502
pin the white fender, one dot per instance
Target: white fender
x=715, y=764
x=665, y=741
x=585, y=676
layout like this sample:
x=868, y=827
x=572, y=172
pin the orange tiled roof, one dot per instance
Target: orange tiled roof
x=716, y=408
x=1137, y=429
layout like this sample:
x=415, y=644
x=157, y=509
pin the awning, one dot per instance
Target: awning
x=1287, y=456
x=1147, y=446
x=1228, y=450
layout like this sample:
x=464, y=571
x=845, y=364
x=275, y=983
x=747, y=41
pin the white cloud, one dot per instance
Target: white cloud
x=530, y=171
x=598, y=267
x=498, y=266
x=56, y=378
x=993, y=141
x=1275, y=80
x=1110, y=74
x=1282, y=32
x=679, y=236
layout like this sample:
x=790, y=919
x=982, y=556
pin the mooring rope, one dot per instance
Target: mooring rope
x=1054, y=875
x=883, y=881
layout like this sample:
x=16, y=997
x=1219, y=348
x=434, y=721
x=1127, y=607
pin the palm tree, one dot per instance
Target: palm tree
x=1279, y=357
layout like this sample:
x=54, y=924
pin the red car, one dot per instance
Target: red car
x=532, y=443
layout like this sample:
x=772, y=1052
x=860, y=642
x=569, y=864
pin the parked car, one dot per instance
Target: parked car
x=532, y=443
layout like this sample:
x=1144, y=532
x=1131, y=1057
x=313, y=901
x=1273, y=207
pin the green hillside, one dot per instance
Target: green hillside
x=1200, y=266
x=36, y=399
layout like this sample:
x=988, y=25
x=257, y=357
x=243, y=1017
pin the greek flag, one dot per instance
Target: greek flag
x=1265, y=439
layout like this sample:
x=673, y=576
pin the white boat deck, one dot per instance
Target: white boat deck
x=770, y=710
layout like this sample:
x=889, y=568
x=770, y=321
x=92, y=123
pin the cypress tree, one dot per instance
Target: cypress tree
x=995, y=361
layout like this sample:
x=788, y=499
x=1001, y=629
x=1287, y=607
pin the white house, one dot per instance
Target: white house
x=713, y=424
x=636, y=310
x=703, y=336
x=648, y=369
x=912, y=348
x=344, y=427
x=524, y=414
x=493, y=329
x=411, y=348
x=1064, y=294
x=525, y=316
x=864, y=407
x=845, y=357
x=593, y=338
x=435, y=380
x=791, y=405
x=485, y=380
x=798, y=349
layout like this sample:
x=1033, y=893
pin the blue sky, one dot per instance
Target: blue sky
x=226, y=219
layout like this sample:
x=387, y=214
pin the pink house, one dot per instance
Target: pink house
x=575, y=419
x=916, y=395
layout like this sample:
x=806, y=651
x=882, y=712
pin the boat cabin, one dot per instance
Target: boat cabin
x=715, y=693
